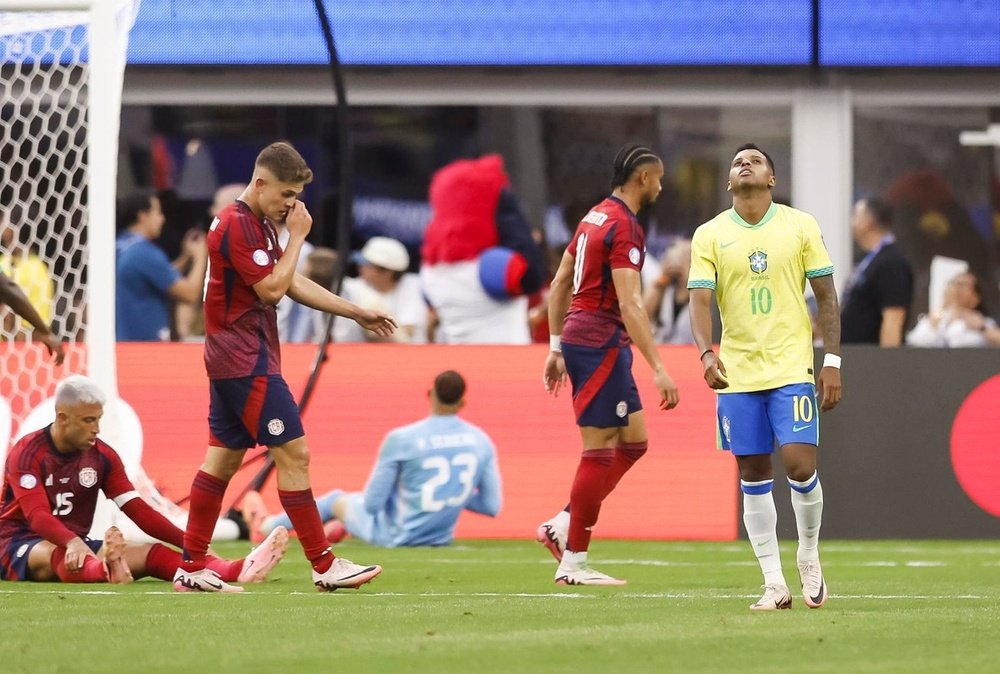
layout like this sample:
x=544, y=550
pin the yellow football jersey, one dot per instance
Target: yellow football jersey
x=759, y=275
x=32, y=275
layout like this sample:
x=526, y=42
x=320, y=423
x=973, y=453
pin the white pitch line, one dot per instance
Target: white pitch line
x=912, y=563
x=519, y=595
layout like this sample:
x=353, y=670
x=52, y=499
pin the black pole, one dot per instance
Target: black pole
x=345, y=194
x=814, y=62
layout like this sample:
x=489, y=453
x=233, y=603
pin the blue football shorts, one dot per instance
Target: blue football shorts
x=249, y=411
x=14, y=555
x=604, y=391
x=753, y=423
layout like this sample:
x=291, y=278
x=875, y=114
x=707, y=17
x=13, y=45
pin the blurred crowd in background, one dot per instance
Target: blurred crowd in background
x=926, y=225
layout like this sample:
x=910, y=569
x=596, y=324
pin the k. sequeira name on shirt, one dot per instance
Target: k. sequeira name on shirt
x=608, y=237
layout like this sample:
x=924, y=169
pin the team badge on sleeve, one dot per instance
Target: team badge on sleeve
x=261, y=258
x=28, y=481
x=88, y=477
x=634, y=255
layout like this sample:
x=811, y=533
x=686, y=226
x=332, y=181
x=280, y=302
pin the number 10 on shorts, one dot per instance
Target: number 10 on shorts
x=802, y=409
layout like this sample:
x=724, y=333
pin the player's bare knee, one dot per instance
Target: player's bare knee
x=40, y=562
x=755, y=468
x=799, y=461
x=222, y=463
x=801, y=472
x=292, y=456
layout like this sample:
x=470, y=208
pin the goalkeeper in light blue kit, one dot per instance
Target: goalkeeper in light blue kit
x=426, y=474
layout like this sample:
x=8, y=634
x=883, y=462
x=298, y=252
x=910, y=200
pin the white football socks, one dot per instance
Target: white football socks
x=761, y=521
x=561, y=520
x=807, y=502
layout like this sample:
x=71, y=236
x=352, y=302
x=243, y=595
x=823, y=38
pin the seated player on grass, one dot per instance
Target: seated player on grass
x=49, y=496
x=427, y=473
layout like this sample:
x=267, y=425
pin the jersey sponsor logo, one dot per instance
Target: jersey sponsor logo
x=48, y=480
x=275, y=426
x=88, y=477
x=796, y=428
x=621, y=409
x=727, y=245
x=634, y=255
x=261, y=258
x=28, y=481
x=62, y=480
x=727, y=429
x=758, y=262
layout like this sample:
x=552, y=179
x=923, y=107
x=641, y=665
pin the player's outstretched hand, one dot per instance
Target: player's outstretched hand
x=381, y=324
x=54, y=345
x=554, y=375
x=298, y=221
x=669, y=397
x=715, y=371
x=829, y=388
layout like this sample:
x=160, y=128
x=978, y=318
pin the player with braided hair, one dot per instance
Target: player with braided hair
x=595, y=314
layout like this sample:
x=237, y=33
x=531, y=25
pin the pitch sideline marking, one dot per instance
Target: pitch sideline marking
x=523, y=595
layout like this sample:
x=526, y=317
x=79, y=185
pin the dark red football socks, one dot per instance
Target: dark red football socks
x=626, y=454
x=162, y=562
x=586, y=495
x=301, y=510
x=206, y=504
x=93, y=571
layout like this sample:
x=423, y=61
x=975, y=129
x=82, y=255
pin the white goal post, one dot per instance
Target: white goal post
x=62, y=65
x=106, y=23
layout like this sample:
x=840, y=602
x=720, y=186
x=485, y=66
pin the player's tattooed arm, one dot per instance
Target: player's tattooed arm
x=828, y=316
x=828, y=385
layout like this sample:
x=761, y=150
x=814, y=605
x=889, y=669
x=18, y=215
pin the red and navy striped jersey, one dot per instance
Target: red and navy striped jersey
x=609, y=237
x=37, y=475
x=241, y=331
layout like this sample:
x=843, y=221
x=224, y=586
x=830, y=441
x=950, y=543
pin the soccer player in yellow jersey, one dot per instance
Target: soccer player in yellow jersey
x=757, y=256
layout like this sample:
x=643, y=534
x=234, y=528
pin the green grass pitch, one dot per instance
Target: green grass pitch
x=491, y=606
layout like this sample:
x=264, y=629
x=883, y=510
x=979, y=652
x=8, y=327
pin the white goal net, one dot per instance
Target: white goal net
x=60, y=89
x=61, y=67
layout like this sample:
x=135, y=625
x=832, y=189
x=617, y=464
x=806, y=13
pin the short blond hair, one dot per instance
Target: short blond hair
x=285, y=163
x=77, y=389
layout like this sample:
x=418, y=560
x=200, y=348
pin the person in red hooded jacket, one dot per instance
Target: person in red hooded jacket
x=479, y=260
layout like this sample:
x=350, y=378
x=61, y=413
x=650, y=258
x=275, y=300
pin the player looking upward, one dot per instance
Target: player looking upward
x=757, y=257
x=595, y=313
x=250, y=401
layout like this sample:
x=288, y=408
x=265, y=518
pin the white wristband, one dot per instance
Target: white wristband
x=831, y=360
x=555, y=343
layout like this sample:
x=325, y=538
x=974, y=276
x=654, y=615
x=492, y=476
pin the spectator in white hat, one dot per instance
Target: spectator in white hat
x=383, y=281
